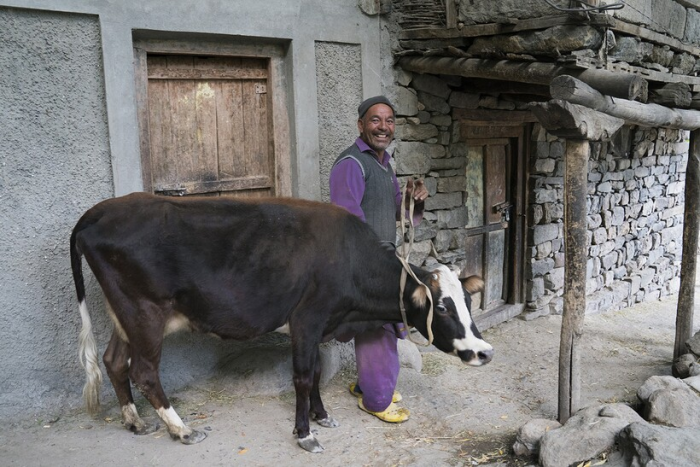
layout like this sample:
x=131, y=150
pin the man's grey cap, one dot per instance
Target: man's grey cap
x=366, y=104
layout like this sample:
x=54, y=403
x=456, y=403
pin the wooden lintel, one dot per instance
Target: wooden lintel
x=572, y=121
x=486, y=117
x=572, y=90
x=615, y=84
x=491, y=29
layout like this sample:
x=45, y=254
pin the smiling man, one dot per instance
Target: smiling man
x=363, y=182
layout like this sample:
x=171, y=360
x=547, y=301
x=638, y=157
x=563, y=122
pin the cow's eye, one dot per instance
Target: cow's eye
x=440, y=308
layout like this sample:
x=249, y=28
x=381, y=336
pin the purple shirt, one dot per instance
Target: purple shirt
x=347, y=184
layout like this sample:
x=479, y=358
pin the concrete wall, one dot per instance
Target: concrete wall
x=70, y=138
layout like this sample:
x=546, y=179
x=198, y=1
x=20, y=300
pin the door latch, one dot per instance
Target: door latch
x=504, y=209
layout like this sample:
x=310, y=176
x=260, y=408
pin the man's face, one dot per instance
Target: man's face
x=377, y=127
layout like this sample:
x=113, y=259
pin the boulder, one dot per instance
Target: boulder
x=643, y=444
x=587, y=434
x=527, y=443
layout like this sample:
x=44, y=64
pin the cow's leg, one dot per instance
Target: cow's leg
x=144, y=374
x=116, y=359
x=317, y=411
x=304, y=350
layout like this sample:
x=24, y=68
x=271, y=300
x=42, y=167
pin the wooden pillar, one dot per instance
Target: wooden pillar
x=579, y=125
x=575, y=228
x=691, y=223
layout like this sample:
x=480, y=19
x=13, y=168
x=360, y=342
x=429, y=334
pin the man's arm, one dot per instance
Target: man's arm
x=347, y=186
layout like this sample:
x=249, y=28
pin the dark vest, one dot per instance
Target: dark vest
x=378, y=202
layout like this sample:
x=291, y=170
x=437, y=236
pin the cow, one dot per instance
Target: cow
x=238, y=269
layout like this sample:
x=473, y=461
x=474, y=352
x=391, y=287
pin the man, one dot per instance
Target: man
x=363, y=182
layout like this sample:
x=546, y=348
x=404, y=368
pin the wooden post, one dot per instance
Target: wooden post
x=691, y=223
x=575, y=227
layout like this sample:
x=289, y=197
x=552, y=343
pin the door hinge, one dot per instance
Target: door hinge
x=260, y=89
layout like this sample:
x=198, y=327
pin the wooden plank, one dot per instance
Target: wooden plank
x=575, y=226
x=496, y=189
x=256, y=130
x=214, y=186
x=207, y=164
x=235, y=73
x=490, y=29
x=231, y=129
x=475, y=186
x=488, y=131
x=691, y=226
x=490, y=117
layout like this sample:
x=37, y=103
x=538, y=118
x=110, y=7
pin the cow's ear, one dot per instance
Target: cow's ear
x=473, y=284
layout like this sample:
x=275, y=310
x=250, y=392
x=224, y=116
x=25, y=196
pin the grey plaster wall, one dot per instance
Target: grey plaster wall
x=339, y=80
x=69, y=137
x=54, y=164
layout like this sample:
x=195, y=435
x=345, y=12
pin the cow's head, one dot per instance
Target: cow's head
x=453, y=329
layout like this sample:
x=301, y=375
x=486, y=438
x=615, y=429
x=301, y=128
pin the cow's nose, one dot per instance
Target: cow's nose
x=485, y=356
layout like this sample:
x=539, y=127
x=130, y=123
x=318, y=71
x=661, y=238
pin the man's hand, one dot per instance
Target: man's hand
x=417, y=190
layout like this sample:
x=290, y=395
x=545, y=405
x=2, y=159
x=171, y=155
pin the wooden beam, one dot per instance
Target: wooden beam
x=691, y=225
x=491, y=29
x=621, y=85
x=566, y=120
x=672, y=95
x=485, y=86
x=575, y=228
x=487, y=117
x=576, y=91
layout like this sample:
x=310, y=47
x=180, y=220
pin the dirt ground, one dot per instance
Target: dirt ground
x=460, y=416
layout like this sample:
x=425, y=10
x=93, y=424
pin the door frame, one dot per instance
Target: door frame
x=146, y=42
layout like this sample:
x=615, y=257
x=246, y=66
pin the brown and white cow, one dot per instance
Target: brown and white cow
x=239, y=269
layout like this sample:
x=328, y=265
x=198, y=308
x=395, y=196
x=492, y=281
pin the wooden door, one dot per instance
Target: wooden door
x=494, y=199
x=209, y=126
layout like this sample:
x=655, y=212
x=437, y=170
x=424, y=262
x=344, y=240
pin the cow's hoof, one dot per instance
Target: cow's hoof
x=310, y=443
x=142, y=428
x=193, y=438
x=328, y=422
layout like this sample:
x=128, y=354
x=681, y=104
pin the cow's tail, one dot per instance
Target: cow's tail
x=87, y=351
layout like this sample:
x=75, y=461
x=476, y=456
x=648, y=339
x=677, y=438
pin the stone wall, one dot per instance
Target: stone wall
x=635, y=219
x=635, y=202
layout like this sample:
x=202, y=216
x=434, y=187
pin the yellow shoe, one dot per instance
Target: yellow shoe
x=392, y=414
x=396, y=397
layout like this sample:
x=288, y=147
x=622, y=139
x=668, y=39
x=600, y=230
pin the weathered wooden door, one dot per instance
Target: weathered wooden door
x=209, y=129
x=494, y=201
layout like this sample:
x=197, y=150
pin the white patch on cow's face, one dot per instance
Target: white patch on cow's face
x=451, y=287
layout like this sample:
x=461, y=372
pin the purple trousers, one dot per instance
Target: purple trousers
x=377, y=359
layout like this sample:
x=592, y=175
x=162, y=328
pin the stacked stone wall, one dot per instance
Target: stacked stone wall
x=635, y=219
